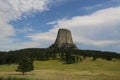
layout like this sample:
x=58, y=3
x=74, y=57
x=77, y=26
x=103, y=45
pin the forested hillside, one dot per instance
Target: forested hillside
x=67, y=56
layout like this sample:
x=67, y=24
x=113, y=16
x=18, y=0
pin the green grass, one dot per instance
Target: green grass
x=56, y=70
x=7, y=67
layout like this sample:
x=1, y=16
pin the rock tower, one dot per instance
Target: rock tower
x=63, y=40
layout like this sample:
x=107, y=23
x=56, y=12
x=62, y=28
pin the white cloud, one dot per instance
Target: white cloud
x=47, y=36
x=12, y=10
x=18, y=45
x=92, y=7
x=105, y=16
x=26, y=29
x=107, y=4
x=16, y=7
x=55, y=3
x=102, y=28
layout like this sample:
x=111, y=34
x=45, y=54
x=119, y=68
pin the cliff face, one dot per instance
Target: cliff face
x=64, y=39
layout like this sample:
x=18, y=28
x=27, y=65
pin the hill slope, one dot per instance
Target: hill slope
x=55, y=70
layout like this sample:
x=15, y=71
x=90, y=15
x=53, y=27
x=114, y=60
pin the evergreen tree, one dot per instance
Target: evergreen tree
x=25, y=65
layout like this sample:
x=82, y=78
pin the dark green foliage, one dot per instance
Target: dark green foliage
x=3, y=57
x=64, y=46
x=68, y=55
x=25, y=65
x=94, y=58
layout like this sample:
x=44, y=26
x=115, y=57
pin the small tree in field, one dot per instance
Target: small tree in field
x=25, y=65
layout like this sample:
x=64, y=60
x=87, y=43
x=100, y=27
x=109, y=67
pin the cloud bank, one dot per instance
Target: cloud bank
x=100, y=29
x=12, y=10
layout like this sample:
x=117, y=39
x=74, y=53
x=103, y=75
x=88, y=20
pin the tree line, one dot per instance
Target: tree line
x=66, y=55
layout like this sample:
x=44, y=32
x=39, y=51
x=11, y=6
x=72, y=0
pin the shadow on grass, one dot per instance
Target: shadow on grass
x=13, y=78
x=20, y=74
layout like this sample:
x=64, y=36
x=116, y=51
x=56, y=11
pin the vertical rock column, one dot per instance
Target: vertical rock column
x=64, y=39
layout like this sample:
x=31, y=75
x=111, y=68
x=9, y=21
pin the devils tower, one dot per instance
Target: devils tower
x=64, y=39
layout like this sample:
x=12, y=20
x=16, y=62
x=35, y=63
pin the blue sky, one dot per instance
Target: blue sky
x=95, y=24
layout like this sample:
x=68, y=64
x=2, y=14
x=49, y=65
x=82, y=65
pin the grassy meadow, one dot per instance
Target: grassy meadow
x=56, y=70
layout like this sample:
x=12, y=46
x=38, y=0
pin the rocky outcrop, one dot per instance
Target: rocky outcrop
x=64, y=39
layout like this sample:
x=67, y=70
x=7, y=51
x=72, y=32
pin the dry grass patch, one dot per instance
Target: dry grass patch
x=55, y=70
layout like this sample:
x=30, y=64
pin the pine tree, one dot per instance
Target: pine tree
x=25, y=65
